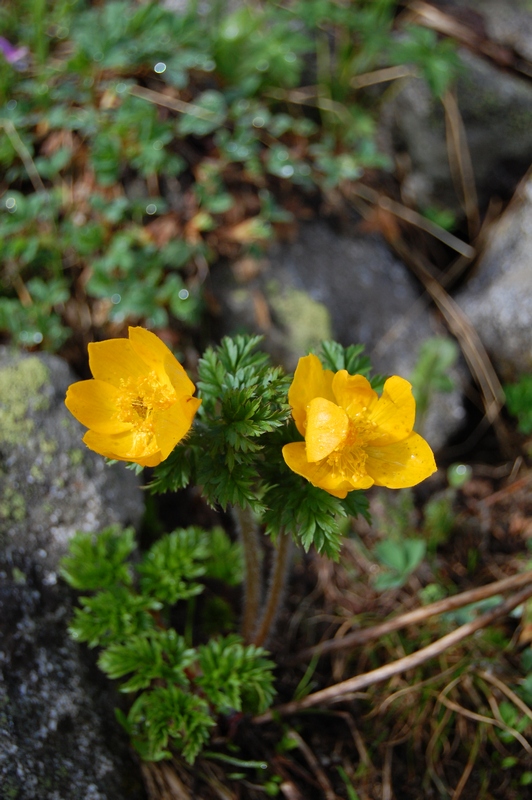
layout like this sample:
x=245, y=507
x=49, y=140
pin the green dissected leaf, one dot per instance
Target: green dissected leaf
x=226, y=559
x=168, y=713
x=112, y=616
x=169, y=568
x=235, y=677
x=97, y=561
x=226, y=487
x=179, y=468
x=159, y=654
x=335, y=357
x=300, y=509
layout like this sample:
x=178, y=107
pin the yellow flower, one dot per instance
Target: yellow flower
x=139, y=405
x=353, y=437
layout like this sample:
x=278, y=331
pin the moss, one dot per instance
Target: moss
x=20, y=387
x=12, y=505
x=37, y=474
x=75, y=456
x=307, y=322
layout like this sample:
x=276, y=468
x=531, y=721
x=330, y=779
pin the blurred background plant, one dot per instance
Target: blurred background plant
x=141, y=145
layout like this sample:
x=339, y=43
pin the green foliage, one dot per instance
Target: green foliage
x=111, y=615
x=97, y=114
x=436, y=358
x=400, y=559
x=335, y=357
x=519, y=402
x=169, y=568
x=179, y=690
x=243, y=402
x=98, y=561
x=161, y=654
x=235, y=677
x=168, y=713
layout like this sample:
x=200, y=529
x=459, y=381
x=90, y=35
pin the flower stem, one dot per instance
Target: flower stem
x=247, y=531
x=279, y=575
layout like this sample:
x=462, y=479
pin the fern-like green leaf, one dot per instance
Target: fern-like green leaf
x=96, y=561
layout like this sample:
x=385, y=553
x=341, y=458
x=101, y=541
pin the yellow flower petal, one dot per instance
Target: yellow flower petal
x=160, y=359
x=394, y=412
x=319, y=475
x=310, y=381
x=400, y=464
x=354, y=393
x=94, y=404
x=171, y=425
x=114, y=361
x=125, y=447
x=327, y=427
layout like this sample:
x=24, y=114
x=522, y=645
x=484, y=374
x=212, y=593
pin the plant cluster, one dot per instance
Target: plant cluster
x=231, y=441
x=139, y=144
x=178, y=689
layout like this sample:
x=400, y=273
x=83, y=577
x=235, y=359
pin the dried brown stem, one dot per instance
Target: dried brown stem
x=280, y=568
x=335, y=693
x=247, y=531
x=418, y=615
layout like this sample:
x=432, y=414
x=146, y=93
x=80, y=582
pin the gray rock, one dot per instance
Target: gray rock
x=507, y=22
x=58, y=736
x=496, y=109
x=498, y=299
x=350, y=288
x=50, y=484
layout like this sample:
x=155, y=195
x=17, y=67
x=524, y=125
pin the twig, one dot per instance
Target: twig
x=280, y=568
x=418, y=615
x=510, y=489
x=335, y=693
x=247, y=531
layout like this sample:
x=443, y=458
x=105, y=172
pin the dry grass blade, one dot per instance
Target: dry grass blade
x=410, y=216
x=24, y=154
x=472, y=348
x=314, y=764
x=418, y=615
x=460, y=162
x=518, y=703
x=466, y=712
x=162, y=782
x=473, y=755
x=421, y=13
x=338, y=692
x=382, y=76
x=387, y=792
x=171, y=102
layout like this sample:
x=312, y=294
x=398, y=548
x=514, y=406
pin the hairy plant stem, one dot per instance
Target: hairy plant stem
x=276, y=589
x=247, y=531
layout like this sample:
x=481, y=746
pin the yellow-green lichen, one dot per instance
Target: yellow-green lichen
x=12, y=505
x=307, y=322
x=20, y=387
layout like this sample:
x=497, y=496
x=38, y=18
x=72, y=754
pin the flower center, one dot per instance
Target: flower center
x=139, y=399
x=349, y=458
